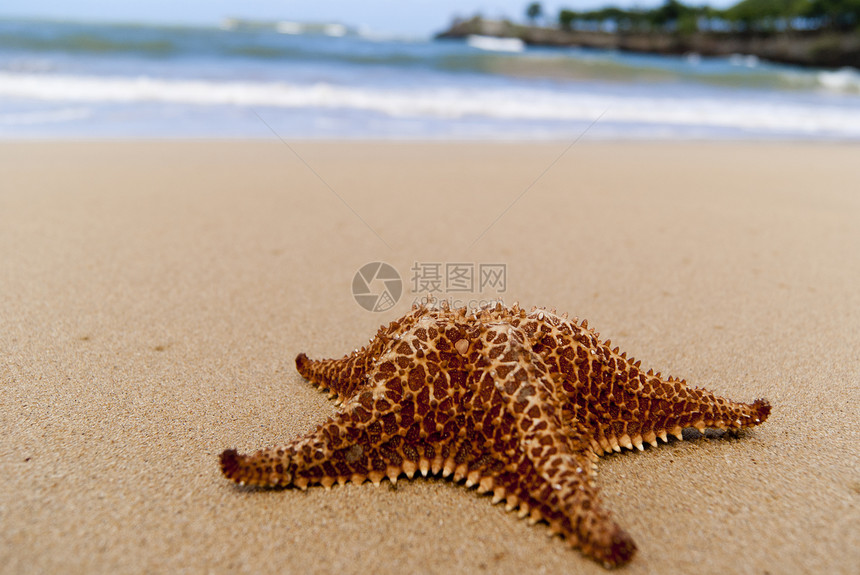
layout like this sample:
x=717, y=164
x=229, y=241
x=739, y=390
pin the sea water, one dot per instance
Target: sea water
x=78, y=80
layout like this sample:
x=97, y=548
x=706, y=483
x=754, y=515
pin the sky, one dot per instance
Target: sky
x=406, y=17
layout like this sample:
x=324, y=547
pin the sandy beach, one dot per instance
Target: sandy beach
x=154, y=295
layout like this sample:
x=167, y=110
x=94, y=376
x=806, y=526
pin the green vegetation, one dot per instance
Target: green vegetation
x=745, y=16
x=822, y=33
x=534, y=11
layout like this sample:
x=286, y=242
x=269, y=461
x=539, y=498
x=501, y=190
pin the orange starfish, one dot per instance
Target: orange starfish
x=519, y=404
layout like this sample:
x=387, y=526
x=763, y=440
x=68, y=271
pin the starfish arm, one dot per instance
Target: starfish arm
x=340, y=377
x=632, y=406
x=618, y=402
x=551, y=474
x=398, y=416
x=343, y=377
x=559, y=487
x=351, y=445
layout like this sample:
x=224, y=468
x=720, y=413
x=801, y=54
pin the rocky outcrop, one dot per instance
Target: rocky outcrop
x=808, y=48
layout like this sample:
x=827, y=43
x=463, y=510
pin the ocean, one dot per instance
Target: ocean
x=92, y=81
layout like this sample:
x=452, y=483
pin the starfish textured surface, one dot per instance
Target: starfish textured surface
x=519, y=404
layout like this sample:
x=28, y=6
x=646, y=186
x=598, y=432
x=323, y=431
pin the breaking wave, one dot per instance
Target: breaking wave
x=509, y=103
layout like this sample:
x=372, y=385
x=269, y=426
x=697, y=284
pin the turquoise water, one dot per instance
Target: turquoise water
x=72, y=80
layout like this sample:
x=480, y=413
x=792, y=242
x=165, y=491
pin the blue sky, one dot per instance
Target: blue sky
x=411, y=17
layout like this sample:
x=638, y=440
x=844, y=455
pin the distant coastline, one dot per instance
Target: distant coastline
x=825, y=49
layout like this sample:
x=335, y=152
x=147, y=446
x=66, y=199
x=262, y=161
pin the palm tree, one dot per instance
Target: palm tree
x=534, y=11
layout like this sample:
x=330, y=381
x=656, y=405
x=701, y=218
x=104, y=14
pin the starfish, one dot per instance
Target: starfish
x=518, y=404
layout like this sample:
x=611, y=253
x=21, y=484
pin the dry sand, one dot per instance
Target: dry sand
x=153, y=297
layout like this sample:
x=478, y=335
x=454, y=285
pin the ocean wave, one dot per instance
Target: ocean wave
x=845, y=80
x=292, y=44
x=82, y=42
x=32, y=118
x=311, y=42
x=28, y=65
x=447, y=102
x=492, y=44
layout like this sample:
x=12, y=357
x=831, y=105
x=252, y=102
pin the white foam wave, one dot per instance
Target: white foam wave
x=842, y=80
x=449, y=102
x=289, y=27
x=493, y=44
